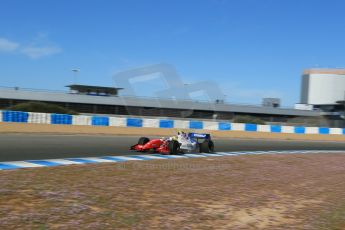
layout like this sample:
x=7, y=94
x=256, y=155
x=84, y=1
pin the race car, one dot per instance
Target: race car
x=183, y=142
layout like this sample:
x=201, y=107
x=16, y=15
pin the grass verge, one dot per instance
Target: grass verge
x=242, y=192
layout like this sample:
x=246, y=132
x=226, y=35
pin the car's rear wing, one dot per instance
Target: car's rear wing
x=197, y=136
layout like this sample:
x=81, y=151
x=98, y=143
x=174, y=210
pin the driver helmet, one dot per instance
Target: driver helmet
x=182, y=134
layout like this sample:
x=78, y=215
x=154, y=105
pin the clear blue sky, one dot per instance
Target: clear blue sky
x=252, y=48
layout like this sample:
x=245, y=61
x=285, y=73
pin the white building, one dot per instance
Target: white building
x=322, y=87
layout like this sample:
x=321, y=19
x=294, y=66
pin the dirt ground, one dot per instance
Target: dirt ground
x=111, y=130
x=243, y=192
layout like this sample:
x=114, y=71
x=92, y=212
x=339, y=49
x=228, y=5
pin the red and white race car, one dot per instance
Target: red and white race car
x=177, y=144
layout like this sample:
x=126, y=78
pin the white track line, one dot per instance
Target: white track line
x=23, y=164
x=153, y=157
x=175, y=156
x=213, y=154
x=63, y=161
x=96, y=159
x=193, y=155
x=127, y=158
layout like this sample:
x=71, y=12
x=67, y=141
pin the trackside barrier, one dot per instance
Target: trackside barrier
x=300, y=129
x=150, y=123
x=38, y=118
x=196, y=125
x=224, y=126
x=81, y=120
x=61, y=119
x=15, y=116
x=250, y=127
x=166, y=124
x=134, y=122
x=100, y=121
x=276, y=129
x=65, y=119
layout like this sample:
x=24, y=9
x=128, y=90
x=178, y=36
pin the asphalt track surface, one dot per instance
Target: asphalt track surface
x=15, y=147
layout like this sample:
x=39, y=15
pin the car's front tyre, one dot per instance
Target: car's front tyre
x=174, y=147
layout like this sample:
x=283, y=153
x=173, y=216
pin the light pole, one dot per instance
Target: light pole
x=75, y=75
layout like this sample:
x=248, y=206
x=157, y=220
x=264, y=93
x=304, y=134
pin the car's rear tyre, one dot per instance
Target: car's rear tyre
x=174, y=147
x=207, y=146
x=143, y=140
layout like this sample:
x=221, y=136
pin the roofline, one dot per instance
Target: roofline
x=324, y=71
x=95, y=86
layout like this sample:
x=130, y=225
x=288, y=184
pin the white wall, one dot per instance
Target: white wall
x=264, y=128
x=337, y=131
x=151, y=123
x=237, y=126
x=39, y=118
x=180, y=124
x=288, y=129
x=118, y=121
x=81, y=120
x=312, y=130
x=210, y=125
